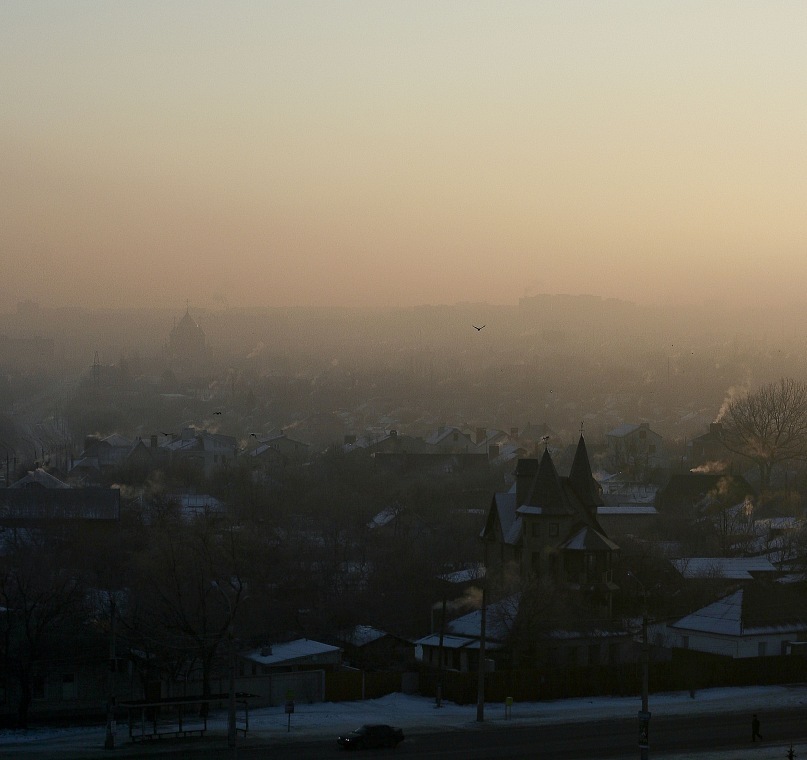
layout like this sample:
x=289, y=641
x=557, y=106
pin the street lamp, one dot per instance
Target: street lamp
x=644, y=713
x=231, y=729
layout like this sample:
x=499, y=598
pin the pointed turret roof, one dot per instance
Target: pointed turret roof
x=582, y=480
x=547, y=491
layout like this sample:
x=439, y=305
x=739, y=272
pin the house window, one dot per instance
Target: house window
x=69, y=686
x=554, y=529
x=761, y=647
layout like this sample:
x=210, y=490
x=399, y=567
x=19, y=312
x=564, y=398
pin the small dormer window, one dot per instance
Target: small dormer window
x=642, y=435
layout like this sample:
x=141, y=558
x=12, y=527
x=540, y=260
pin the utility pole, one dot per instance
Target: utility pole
x=644, y=713
x=644, y=716
x=231, y=731
x=109, y=740
x=480, y=689
x=440, y=654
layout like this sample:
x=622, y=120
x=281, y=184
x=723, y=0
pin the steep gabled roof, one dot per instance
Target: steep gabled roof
x=626, y=428
x=39, y=478
x=503, y=515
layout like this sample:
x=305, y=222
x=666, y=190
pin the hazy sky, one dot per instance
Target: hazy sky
x=401, y=152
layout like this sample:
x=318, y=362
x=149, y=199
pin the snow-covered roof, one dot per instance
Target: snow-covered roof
x=384, y=517
x=727, y=617
x=455, y=642
x=441, y=435
x=627, y=509
x=721, y=617
x=466, y=575
x=118, y=441
x=363, y=634
x=499, y=614
x=290, y=651
x=588, y=540
x=730, y=568
x=39, y=477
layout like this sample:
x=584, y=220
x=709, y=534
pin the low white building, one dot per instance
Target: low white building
x=759, y=620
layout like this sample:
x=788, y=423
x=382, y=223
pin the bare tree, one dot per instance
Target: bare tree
x=42, y=606
x=189, y=593
x=768, y=426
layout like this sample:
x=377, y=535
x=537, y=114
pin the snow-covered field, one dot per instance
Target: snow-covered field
x=414, y=714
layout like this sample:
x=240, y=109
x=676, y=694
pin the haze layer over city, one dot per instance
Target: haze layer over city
x=351, y=350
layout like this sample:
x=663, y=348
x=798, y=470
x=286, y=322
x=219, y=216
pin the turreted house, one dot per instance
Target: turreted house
x=546, y=526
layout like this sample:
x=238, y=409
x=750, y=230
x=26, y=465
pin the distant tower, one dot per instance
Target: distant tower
x=186, y=343
x=96, y=370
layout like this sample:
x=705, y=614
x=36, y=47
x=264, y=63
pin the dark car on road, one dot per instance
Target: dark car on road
x=371, y=736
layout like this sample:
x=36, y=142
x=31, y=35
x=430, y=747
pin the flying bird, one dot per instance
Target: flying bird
x=216, y=412
x=477, y=328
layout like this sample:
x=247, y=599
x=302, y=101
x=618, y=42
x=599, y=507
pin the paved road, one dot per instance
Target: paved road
x=728, y=735
x=599, y=740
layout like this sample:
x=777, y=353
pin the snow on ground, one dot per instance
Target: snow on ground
x=419, y=714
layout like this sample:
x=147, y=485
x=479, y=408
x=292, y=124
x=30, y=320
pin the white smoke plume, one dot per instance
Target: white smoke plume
x=709, y=468
x=734, y=392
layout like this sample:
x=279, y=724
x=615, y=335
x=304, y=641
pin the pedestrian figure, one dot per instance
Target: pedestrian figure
x=755, y=728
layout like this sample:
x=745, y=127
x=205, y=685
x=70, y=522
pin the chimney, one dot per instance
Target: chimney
x=481, y=434
x=493, y=451
x=350, y=439
x=153, y=442
x=716, y=429
x=526, y=470
x=514, y=432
